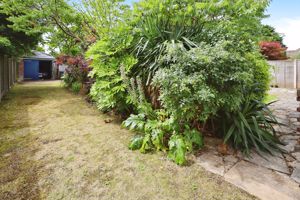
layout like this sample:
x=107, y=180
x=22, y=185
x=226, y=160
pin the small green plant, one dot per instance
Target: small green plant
x=76, y=86
x=177, y=149
x=150, y=126
x=158, y=131
x=136, y=142
x=67, y=80
x=251, y=127
x=180, y=144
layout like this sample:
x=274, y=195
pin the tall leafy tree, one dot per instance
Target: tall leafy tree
x=269, y=34
x=15, y=42
x=55, y=19
x=101, y=17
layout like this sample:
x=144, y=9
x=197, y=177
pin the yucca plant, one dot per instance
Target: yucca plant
x=251, y=127
x=154, y=30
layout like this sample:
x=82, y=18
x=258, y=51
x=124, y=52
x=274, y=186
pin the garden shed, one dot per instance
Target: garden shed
x=38, y=66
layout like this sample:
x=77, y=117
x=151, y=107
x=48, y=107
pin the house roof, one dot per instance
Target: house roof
x=37, y=55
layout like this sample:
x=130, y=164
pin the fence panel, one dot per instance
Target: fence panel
x=1, y=77
x=289, y=74
x=297, y=73
x=8, y=74
x=285, y=73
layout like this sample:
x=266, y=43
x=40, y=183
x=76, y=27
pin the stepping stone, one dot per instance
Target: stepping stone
x=229, y=162
x=287, y=138
x=212, y=163
x=296, y=155
x=283, y=130
x=294, y=115
x=296, y=173
x=262, y=182
x=289, y=158
x=284, y=121
x=297, y=148
x=290, y=145
x=276, y=162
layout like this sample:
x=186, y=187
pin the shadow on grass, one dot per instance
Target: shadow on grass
x=18, y=171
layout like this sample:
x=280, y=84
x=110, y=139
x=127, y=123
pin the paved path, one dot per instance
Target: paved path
x=53, y=145
x=274, y=178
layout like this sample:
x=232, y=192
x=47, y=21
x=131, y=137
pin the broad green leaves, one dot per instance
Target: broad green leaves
x=136, y=142
x=108, y=54
x=177, y=150
x=156, y=132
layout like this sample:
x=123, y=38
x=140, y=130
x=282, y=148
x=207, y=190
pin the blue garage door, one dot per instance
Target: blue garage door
x=31, y=69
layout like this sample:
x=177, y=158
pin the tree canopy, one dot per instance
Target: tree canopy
x=14, y=42
x=57, y=21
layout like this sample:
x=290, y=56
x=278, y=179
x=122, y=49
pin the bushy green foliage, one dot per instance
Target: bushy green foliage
x=153, y=126
x=4, y=42
x=250, y=127
x=75, y=87
x=200, y=81
x=177, y=149
x=14, y=42
x=76, y=71
x=187, y=21
x=68, y=80
x=108, y=54
x=269, y=34
x=176, y=65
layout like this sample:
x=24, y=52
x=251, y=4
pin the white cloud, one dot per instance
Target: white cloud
x=290, y=28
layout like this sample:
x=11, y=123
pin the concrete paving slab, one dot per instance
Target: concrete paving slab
x=262, y=182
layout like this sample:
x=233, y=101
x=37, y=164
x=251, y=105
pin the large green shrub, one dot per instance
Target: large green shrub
x=175, y=64
x=188, y=22
x=108, y=54
x=199, y=82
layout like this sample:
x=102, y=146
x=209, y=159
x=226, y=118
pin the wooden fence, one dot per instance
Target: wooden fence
x=285, y=73
x=8, y=73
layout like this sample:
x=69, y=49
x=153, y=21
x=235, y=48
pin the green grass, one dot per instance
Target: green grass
x=270, y=98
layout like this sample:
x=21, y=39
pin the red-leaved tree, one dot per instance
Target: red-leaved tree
x=273, y=50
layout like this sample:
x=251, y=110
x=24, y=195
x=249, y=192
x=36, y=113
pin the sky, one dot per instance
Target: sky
x=285, y=18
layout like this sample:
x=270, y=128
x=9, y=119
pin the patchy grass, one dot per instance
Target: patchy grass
x=53, y=145
x=270, y=98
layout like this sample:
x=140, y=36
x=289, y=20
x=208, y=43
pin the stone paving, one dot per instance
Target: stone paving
x=268, y=177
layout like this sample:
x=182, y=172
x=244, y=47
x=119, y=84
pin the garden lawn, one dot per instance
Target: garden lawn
x=54, y=145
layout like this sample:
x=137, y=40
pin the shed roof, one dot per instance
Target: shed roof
x=37, y=55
